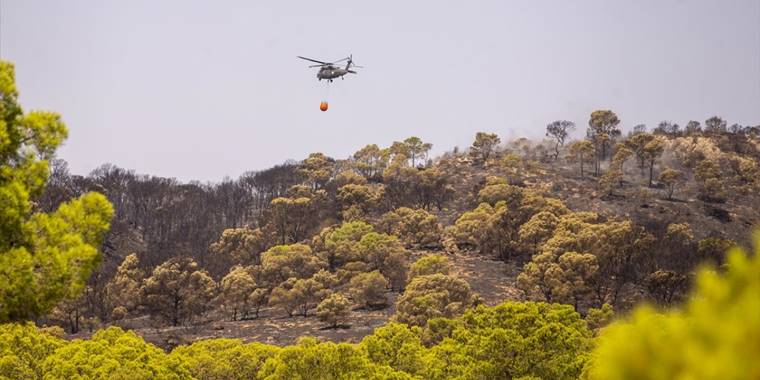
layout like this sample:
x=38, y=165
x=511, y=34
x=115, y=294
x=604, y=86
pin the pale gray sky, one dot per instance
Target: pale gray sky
x=204, y=89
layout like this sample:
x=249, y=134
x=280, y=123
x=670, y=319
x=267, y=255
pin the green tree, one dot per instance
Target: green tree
x=497, y=189
x=298, y=295
x=433, y=296
x=473, y=229
x=257, y=299
x=318, y=169
x=23, y=349
x=611, y=179
x=433, y=188
x=368, y=289
x=671, y=178
x=601, y=317
x=484, y=146
x=363, y=197
x=329, y=361
x=396, y=345
x=559, y=131
x=566, y=278
x=223, y=359
x=328, y=280
x=370, y=161
x=538, y=229
x=333, y=309
x=622, y=154
x=665, y=285
x=112, y=354
x=709, y=183
x=235, y=291
x=178, y=290
x=282, y=262
x=495, y=230
x=601, y=259
x=713, y=249
x=386, y=254
x=237, y=246
x=716, y=332
x=338, y=246
x=124, y=288
x=290, y=217
x=415, y=227
x=44, y=258
x=286, y=297
x=351, y=270
x=347, y=177
x=581, y=152
x=514, y=340
x=400, y=153
x=417, y=149
x=515, y=166
x=652, y=151
x=637, y=144
x=602, y=131
x=430, y=264
x=679, y=246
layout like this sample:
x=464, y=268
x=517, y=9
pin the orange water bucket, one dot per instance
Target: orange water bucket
x=323, y=106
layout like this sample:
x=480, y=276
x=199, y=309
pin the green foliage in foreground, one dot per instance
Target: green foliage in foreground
x=22, y=350
x=509, y=340
x=715, y=336
x=44, y=258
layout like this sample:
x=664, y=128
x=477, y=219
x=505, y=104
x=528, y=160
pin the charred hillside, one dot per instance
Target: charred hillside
x=609, y=219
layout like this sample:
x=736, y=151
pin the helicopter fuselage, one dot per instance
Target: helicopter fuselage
x=331, y=72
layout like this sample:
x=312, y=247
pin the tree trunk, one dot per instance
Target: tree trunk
x=175, y=312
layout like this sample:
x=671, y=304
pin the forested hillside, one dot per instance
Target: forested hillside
x=506, y=259
x=615, y=218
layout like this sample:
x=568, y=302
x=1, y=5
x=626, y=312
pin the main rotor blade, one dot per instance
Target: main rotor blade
x=323, y=65
x=313, y=60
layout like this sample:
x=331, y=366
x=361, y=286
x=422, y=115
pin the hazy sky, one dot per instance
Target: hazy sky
x=204, y=89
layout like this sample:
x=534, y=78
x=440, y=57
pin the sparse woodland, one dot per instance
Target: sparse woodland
x=609, y=237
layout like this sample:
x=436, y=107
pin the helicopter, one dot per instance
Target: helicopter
x=331, y=70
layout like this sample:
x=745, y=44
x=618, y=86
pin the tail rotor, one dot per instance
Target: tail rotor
x=351, y=64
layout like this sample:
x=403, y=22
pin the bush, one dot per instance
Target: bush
x=223, y=359
x=433, y=296
x=333, y=309
x=112, y=354
x=431, y=264
x=119, y=313
x=513, y=340
x=368, y=289
x=23, y=348
x=415, y=227
x=312, y=360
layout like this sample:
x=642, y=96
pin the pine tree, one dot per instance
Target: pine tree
x=43, y=257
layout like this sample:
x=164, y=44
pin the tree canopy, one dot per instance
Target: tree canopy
x=44, y=257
